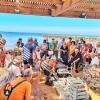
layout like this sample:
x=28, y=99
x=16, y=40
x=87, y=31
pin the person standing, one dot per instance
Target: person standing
x=76, y=57
x=69, y=43
x=36, y=43
x=60, y=44
x=48, y=44
x=23, y=89
x=53, y=47
x=2, y=52
x=44, y=49
x=18, y=49
x=21, y=44
x=72, y=48
x=64, y=54
x=28, y=49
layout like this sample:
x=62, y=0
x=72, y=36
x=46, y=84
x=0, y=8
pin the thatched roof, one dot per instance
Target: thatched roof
x=66, y=8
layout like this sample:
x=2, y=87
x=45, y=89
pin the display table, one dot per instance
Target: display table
x=93, y=95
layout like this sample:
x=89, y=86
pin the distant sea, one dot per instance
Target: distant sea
x=12, y=37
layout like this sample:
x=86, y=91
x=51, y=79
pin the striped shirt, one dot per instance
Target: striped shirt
x=26, y=53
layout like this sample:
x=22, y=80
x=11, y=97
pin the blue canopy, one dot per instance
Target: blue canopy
x=51, y=25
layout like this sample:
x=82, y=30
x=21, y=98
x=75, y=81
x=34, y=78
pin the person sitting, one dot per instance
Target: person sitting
x=49, y=65
x=52, y=63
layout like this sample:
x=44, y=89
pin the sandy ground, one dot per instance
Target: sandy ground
x=40, y=91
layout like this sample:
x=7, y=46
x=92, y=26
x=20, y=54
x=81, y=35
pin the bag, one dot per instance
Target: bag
x=50, y=80
x=8, y=89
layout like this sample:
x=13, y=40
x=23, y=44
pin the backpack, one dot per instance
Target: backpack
x=8, y=88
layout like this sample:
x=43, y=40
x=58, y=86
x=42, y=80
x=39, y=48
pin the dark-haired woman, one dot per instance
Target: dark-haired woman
x=64, y=54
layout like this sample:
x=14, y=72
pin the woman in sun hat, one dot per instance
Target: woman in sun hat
x=15, y=67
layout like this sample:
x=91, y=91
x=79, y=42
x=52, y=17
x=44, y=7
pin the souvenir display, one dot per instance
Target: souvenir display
x=91, y=76
x=71, y=89
x=63, y=73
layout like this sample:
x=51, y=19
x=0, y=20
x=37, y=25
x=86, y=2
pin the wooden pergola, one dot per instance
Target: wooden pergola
x=65, y=8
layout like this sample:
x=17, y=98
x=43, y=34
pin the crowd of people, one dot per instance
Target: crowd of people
x=32, y=56
x=67, y=51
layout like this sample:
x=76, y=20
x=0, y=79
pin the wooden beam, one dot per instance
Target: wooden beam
x=85, y=10
x=7, y=3
x=90, y=5
x=59, y=11
x=27, y=5
x=77, y=14
x=93, y=1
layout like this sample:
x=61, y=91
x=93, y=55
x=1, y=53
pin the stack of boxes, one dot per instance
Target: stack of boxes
x=71, y=89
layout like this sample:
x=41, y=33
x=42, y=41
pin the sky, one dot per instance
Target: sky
x=51, y=25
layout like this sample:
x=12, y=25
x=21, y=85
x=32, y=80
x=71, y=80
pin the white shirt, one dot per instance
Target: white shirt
x=95, y=60
x=60, y=44
x=15, y=70
x=36, y=55
x=98, y=50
